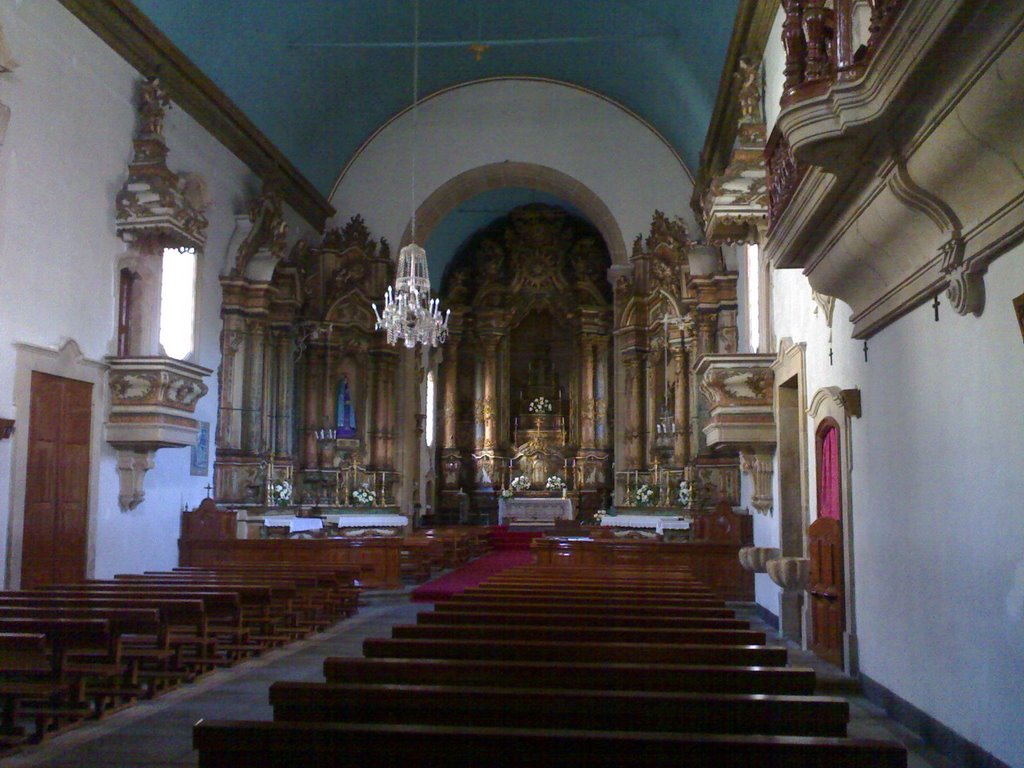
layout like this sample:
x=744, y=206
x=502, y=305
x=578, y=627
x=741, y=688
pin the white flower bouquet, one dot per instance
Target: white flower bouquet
x=521, y=483
x=364, y=495
x=685, y=494
x=645, y=495
x=555, y=483
x=507, y=493
x=280, y=493
x=540, y=405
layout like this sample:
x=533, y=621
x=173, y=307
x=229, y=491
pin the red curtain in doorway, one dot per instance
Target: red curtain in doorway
x=828, y=475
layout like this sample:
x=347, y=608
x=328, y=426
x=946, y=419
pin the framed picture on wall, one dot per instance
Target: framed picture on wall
x=201, y=451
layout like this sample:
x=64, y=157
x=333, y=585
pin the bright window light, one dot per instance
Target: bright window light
x=753, y=269
x=178, y=302
x=429, y=426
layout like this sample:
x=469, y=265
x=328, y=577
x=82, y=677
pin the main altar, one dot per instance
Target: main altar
x=533, y=511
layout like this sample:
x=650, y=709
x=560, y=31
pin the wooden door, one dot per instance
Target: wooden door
x=826, y=587
x=56, y=481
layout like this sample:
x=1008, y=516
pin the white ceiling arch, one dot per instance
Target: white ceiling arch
x=583, y=147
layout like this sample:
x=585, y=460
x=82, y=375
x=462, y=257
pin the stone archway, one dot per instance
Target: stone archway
x=485, y=178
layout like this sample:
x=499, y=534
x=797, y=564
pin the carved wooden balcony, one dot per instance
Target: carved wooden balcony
x=152, y=400
x=894, y=175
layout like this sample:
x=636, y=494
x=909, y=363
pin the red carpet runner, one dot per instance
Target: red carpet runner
x=470, y=574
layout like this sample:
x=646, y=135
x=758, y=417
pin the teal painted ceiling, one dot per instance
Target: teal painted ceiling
x=318, y=77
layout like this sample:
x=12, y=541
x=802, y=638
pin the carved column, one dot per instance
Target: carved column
x=490, y=401
x=793, y=42
x=588, y=411
x=681, y=405
x=601, y=397
x=451, y=393
x=229, y=418
x=252, y=400
x=311, y=421
x=633, y=413
x=389, y=370
x=283, y=400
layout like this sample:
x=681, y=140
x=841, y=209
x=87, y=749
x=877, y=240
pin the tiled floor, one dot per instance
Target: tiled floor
x=159, y=733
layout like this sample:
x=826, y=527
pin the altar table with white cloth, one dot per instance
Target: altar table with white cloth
x=533, y=511
x=643, y=522
x=294, y=524
x=382, y=520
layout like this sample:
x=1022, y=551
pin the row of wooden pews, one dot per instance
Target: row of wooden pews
x=557, y=666
x=75, y=651
x=431, y=550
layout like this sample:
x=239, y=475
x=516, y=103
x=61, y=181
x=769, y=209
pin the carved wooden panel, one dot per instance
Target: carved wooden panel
x=57, y=481
x=827, y=590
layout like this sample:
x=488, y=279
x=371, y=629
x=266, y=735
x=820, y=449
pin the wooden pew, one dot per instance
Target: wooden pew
x=630, y=676
x=316, y=745
x=583, y=600
x=559, y=708
x=158, y=659
x=567, y=619
x=119, y=671
x=521, y=650
x=591, y=609
x=27, y=675
x=574, y=634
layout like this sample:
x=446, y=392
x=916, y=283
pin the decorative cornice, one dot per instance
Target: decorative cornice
x=749, y=35
x=137, y=40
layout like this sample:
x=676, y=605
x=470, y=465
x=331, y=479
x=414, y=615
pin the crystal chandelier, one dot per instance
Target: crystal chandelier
x=409, y=312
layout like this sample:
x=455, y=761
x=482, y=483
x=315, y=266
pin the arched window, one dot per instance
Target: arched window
x=178, y=302
x=428, y=429
x=345, y=414
x=829, y=478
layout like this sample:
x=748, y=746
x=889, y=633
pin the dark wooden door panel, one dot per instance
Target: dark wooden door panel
x=55, y=529
x=827, y=590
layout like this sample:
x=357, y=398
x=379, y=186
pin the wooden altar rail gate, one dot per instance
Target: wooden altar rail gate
x=73, y=651
x=650, y=699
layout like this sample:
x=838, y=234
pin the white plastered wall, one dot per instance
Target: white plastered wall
x=937, y=482
x=602, y=146
x=62, y=162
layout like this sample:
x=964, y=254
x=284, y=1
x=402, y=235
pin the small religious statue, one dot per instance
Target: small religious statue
x=749, y=76
x=153, y=102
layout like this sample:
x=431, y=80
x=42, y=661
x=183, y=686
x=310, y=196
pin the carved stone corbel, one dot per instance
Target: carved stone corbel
x=757, y=463
x=132, y=467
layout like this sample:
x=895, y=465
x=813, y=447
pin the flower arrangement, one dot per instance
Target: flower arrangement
x=685, y=494
x=280, y=493
x=521, y=483
x=555, y=483
x=600, y=515
x=364, y=495
x=507, y=493
x=540, y=405
x=645, y=495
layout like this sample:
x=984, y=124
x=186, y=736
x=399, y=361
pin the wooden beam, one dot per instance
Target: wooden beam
x=137, y=40
x=749, y=36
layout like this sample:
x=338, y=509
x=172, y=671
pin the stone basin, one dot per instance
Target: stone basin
x=756, y=558
x=790, y=573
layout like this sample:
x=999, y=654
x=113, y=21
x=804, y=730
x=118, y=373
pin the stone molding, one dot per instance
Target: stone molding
x=894, y=229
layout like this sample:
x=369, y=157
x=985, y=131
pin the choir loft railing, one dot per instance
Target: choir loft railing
x=818, y=37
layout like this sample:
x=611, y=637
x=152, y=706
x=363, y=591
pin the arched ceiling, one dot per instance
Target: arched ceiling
x=318, y=77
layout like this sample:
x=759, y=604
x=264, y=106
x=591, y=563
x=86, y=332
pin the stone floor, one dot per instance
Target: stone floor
x=159, y=733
